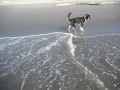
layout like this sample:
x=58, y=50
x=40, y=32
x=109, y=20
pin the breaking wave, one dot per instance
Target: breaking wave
x=60, y=61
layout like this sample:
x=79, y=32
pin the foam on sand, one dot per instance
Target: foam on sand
x=63, y=4
x=59, y=61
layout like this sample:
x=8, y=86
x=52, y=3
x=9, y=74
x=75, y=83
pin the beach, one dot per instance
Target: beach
x=33, y=19
x=38, y=53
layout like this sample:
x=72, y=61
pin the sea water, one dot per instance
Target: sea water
x=60, y=61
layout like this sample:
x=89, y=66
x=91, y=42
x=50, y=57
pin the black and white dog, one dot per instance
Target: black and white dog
x=77, y=20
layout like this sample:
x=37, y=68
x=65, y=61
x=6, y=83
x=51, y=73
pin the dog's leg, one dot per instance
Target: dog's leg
x=69, y=27
x=81, y=29
x=74, y=30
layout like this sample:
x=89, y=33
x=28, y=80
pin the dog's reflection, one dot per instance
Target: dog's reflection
x=78, y=39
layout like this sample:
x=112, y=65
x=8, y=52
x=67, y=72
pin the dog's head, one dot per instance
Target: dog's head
x=87, y=16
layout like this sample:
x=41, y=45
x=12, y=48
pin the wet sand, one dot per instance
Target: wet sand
x=53, y=62
x=34, y=19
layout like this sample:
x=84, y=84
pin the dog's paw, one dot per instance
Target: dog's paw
x=82, y=30
x=69, y=31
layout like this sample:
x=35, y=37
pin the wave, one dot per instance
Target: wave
x=60, y=61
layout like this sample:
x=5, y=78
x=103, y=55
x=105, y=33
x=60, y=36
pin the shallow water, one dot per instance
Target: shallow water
x=60, y=61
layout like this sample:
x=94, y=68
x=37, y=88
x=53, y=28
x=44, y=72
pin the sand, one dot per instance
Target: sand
x=34, y=19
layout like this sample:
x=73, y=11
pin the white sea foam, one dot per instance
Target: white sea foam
x=63, y=4
x=24, y=81
x=91, y=76
x=72, y=47
x=45, y=59
x=108, y=2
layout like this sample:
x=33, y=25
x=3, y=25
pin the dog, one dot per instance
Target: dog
x=77, y=20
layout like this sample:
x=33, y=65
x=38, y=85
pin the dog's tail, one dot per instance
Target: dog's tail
x=68, y=16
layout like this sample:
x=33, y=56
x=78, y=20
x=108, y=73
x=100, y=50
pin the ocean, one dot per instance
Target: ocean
x=60, y=61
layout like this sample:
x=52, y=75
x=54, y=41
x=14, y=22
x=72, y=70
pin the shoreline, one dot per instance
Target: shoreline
x=76, y=36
